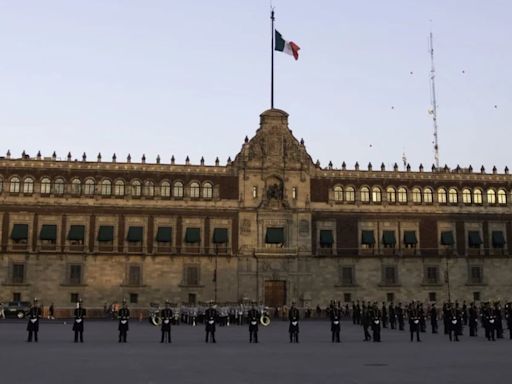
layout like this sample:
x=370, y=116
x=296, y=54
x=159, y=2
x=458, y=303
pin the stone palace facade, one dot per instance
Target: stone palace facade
x=270, y=226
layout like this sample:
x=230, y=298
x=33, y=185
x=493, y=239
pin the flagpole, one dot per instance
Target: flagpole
x=272, y=62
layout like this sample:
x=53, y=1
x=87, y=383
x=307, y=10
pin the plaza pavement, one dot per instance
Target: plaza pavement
x=101, y=359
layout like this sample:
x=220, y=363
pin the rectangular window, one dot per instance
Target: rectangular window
x=432, y=296
x=390, y=297
x=73, y=298
x=76, y=234
x=135, y=235
x=254, y=192
x=75, y=274
x=475, y=274
x=367, y=239
x=16, y=296
x=106, y=234
x=432, y=275
x=134, y=298
x=326, y=238
x=474, y=239
x=347, y=275
x=164, y=235
x=193, y=236
x=134, y=275
x=447, y=238
x=476, y=296
x=192, y=275
x=498, y=239
x=18, y=273
x=347, y=297
x=192, y=298
x=390, y=275
x=19, y=233
x=410, y=240
x=48, y=234
x=274, y=236
x=388, y=239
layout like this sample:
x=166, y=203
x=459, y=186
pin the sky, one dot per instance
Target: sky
x=190, y=78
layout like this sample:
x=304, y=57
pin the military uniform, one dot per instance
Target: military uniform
x=414, y=323
x=473, y=320
x=254, y=319
x=392, y=316
x=508, y=317
x=433, y=318
x=166, y=316
x=335, y=324
x=33, y=321
x=293, y=328
x=400, y=317
x=78, y=323
x=366, y=322
x=210, y=316
x=455, y=323
x=124, y=317
x=376, y=324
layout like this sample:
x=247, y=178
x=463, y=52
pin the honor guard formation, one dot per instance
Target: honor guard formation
x=372, y=317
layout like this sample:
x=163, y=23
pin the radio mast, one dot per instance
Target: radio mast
x=433, y=111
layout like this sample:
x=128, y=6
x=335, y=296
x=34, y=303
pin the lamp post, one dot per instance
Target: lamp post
x=215, y=272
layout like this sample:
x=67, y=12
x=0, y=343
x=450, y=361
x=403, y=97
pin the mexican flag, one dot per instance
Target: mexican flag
x=288, y=47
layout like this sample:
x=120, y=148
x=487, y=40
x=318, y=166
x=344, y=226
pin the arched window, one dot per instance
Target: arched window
x=76, y=187
x=15, y=185
x=491, y=196
x=350, y=194
x=502, y=196
x=136, y=188
x=207, y=190
x=376, y=195
x=442, y=198
x=390, y=195
x=452, y=196
x=402, y=195
x=106, y=188
x=28, y=185
x=177, y=189
x=466, y=196
x=59, y=186
x=477, y=196
x=428, y=196
x=194, y=190
x=338, y=193
x=365, y=194
x=46, y=186
x=165, y=189
x=119, y=188
x=89, y=187
x=416, y=195
x=149, y=188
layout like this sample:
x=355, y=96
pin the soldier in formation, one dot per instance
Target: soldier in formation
x=335, y=315
x=34, y=314
x=124, y=317
x=413, y=314
x=293, y=328
x=166, y=316
x=210, y=317
x=78, y=323
x=254, y=318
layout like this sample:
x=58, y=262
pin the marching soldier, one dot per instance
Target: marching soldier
x=384, y=316
x=366, y=322
x=400, y=316
x=392, y=316
x=124, y=317
x=454, y=325
x=293, y=329
x=166, y=316
x=33, y=321
x=433, y=318
x=508, y=316
x=254, y=317
x=499, y=320
x=210, y=316
x=376, y=321
x=473, y=320
x=414, y=322
x=335, y=324
x=78, y=323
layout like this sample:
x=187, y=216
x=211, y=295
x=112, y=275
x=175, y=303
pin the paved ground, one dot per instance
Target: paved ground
x=188, y=359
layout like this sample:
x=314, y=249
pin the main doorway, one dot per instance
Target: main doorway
x=275, y=293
